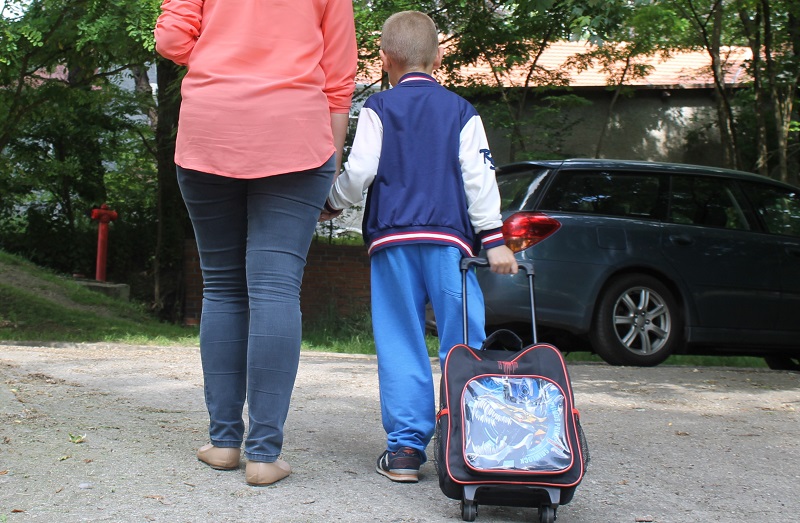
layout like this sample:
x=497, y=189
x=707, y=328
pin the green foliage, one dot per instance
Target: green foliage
x=70, y=137
x=550, y=117
x=509, y=37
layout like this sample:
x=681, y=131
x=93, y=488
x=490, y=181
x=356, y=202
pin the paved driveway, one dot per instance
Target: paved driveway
x=667, y=444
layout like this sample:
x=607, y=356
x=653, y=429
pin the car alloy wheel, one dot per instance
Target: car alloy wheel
x=637, y=322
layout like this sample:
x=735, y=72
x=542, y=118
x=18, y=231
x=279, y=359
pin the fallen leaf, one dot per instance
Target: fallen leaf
x=644, y=519
x=17, y=511
x=76, y=438
x=64, y=458
x=3, y=472
x=681, y=433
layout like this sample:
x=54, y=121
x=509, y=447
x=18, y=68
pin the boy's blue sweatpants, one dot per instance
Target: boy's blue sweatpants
x=404, y=278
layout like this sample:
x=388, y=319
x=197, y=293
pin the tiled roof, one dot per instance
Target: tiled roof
x=680, y=70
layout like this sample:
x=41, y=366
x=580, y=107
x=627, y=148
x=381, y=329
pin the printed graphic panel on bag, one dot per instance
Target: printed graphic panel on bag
x=509, y=417
x=515, y=423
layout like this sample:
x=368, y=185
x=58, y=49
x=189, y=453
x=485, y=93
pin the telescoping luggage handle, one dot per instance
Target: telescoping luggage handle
x=466, y=263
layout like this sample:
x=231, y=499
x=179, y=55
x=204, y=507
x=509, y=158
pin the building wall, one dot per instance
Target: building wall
x=677, y=125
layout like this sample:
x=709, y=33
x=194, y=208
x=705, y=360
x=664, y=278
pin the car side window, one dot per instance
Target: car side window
x=777, y=207
x=518, y=191
x=706, y=201
x=632, y=195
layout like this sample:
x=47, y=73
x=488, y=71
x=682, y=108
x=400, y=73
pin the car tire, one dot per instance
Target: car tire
x=637, y=322
x=782, y=363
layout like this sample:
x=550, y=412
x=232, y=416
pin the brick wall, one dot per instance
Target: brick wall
x=336, y=281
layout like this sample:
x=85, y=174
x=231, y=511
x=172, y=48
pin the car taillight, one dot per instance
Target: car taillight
x=525, y=229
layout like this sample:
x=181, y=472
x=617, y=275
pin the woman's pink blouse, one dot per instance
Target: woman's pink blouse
x=263, y=77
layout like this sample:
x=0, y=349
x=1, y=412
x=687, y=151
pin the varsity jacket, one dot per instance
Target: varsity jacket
x=421, y=152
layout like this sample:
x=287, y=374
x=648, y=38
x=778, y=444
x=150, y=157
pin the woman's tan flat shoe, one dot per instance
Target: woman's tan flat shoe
x=220, y=458
x=259, y=474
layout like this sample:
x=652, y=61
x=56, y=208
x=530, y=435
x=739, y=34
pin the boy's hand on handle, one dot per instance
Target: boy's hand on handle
x=501, y=260
x=328, y=212
x=326, y=216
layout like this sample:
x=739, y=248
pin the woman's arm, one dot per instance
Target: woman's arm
x=177, y=29
x=340, y=59
x=339, y=123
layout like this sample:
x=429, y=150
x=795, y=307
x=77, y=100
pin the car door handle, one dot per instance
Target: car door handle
x=681, y=239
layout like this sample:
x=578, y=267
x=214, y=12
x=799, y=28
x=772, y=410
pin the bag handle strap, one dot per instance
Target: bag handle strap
x=466, y=263
x=502, y=340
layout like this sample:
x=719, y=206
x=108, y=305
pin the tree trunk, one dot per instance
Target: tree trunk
x=612, y=105
x=142, y=85
x=794, y=138
x=727, y=123
x=752, y=29
x=782, y=85
x=172, y=222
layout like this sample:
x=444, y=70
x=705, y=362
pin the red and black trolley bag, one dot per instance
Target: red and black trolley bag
x=507, y=431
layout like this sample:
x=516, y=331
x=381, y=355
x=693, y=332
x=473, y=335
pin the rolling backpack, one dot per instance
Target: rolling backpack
x=507, y=430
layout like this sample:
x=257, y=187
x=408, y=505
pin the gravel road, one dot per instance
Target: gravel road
x=94, y=432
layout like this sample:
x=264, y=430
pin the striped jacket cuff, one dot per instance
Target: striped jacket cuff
x=492, y=238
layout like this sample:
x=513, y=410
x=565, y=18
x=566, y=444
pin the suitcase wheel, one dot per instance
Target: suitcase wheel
x=547, y=514
x=469, y=510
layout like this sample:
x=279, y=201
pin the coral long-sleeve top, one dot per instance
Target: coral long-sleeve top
x=263, y=77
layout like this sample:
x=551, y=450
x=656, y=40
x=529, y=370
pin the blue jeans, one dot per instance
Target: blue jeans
x=253, y=238
x=404, y=278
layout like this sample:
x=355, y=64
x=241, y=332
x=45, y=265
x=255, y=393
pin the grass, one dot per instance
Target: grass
x=351, y=335
x=50, y=308
x=38, y=305
x=682, y=360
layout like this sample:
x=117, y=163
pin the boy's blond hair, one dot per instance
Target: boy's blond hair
x=410, y=39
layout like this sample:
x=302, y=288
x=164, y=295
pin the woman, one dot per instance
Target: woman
x=263, y=119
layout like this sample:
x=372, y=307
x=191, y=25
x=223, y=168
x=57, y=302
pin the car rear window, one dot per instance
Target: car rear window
x=610, y=193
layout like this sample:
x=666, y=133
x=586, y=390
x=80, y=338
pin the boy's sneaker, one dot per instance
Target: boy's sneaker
x=402, y=466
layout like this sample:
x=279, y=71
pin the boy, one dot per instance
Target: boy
x=423, y=153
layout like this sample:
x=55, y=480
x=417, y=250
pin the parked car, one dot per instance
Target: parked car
x=640, y=260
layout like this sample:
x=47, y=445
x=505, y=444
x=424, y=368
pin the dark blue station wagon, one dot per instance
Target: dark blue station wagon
x=638, y=260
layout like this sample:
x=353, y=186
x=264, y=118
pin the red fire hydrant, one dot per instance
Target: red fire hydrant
x=104, y=215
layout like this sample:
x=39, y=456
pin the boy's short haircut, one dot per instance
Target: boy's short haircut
x=410, y=38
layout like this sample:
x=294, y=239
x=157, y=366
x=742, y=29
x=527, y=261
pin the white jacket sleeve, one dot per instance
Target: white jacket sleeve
x=477, y=170
x=362, y=163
